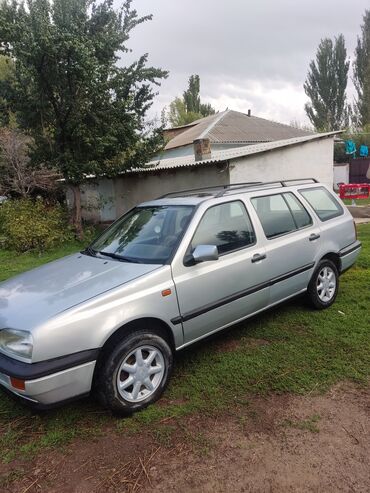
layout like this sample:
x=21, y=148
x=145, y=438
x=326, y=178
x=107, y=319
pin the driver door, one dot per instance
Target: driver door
x=217, y=293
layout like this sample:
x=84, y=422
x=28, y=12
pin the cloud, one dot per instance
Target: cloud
x=249, y=54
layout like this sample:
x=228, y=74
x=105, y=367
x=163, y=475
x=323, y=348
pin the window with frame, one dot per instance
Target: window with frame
x=227, y=226
x=301, y=217
x=280, y=214
x=322, y=202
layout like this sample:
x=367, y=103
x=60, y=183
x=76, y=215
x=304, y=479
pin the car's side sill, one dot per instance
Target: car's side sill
x=240, y=319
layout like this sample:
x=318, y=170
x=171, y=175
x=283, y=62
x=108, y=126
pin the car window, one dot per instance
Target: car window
x=323, y=203
x=300, y=215
x=274, y=214
x=227, y=226
x=146, y=234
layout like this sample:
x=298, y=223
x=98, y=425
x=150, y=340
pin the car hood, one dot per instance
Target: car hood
x=37, y=295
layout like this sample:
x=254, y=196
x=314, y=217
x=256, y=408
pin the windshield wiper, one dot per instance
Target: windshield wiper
x=121, y=258
x=89, y=251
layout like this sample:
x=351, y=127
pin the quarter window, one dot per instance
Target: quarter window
x=227, y=226
x=323, y=203
x=300, y=215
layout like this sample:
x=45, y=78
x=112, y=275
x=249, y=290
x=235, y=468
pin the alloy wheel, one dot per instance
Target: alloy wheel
x=140, y=373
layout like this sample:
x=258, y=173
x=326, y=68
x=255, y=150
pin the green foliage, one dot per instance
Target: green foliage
x=361, y=72
x=6, y=78
x=32, y=225
x=326, y=85
x=86, y=114
x=178, y=114
x=189, y=108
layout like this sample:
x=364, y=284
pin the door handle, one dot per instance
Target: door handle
x=257, y=257
x=314, y=237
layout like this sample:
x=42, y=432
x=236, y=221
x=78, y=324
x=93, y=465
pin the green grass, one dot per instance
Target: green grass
x=303, y=351
x=13, y=263
x=357, y=201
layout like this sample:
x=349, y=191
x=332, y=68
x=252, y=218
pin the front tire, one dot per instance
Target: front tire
x=135, y=373
x=323, y=287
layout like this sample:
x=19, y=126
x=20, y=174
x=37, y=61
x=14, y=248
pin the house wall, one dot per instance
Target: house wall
x=132, y=189
x=188, y=150
x=104, y=200
x=311, y=159
x=97, y=200
x=182, y=151
x=341, y=174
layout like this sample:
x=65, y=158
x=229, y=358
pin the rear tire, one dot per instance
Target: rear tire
x=323, y=287
x=135, y=372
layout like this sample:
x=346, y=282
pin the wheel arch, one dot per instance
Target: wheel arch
x=155, y=325
x=335, y=258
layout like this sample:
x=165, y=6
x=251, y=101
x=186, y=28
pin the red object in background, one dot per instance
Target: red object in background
x=354, y=191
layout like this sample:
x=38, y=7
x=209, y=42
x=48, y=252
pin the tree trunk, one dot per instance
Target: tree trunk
x=76, y=214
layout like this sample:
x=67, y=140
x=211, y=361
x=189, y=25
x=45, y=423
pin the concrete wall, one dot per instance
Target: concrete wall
x=97, y=200
x=310, y=159
x=105, y=200
x=183, y=151
x=188, y=150
x=135, y=188
x=341, y=174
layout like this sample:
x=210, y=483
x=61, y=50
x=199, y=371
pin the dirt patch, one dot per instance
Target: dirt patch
x=279, y=443
x=359, y=211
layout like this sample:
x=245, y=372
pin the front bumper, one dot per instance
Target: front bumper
x=49, y=382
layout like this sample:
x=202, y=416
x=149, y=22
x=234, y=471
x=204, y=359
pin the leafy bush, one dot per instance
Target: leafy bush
x=32, y=225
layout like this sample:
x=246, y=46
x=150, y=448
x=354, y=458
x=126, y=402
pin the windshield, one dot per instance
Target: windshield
x=144, y=235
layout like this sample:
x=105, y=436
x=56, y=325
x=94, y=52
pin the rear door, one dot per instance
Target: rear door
x=293, y=242
x=214, y=294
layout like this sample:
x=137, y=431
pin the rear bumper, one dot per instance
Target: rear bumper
x=349, y=254
x=49, y=382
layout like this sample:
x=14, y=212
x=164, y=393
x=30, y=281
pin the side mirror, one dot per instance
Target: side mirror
x=204, y=253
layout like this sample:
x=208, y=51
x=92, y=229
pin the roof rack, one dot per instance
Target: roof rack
x=221, y=190
x=204, y=191
x=238, y=187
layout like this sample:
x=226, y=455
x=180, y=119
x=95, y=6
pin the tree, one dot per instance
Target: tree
x=361, y=72
x=17, y=178
x=189, y=108
x=6, y=78
x=326, y=85
x=86, y=114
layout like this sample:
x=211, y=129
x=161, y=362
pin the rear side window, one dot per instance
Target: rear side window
x=227, y=226
x=274, y=214
x=280, y=214
x=323, y=203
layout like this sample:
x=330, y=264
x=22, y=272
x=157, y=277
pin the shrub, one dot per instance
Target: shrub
x=32, y=225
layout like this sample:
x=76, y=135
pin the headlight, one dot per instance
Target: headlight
x=16, y=343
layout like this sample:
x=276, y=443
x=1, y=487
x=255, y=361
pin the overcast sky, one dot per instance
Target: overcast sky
x=249, y=54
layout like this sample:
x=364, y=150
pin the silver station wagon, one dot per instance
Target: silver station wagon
x=168, y=273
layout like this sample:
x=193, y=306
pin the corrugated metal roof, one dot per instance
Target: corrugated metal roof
x=232, y=126
x=191, y=134
x=226, y=155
